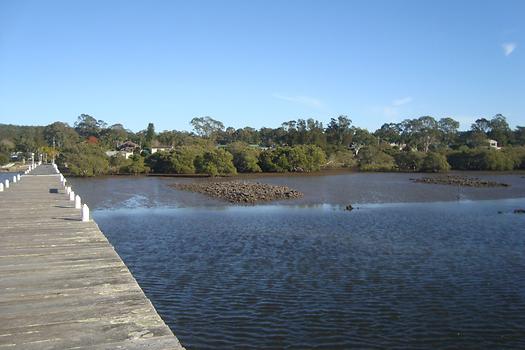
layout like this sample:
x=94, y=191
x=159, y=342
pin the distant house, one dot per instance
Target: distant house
x=397, y=145
x=128, y=146
x=493, y=144
x=122, y=153
x=125, y=149
x=161, y=149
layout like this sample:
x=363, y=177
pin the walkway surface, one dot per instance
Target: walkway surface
x=62, y=285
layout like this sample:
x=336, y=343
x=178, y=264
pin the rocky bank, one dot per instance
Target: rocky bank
x=454, y=180
x=241, y=192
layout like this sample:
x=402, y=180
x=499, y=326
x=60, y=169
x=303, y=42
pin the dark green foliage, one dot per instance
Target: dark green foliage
x=303, y=158
x=136, y=165
x=149, y=136
x=343, y=158
x=215, y=162
x=480, y=159
x=517, y=154
x=179, y=161
x=409, y=160
x=245, y=158
x=84, y=159
x=4, y=158
x=372, y=158
x=118, y=164
x=87, y=126
x=297, y=145
x=435, y=163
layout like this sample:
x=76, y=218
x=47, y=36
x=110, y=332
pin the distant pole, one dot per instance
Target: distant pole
x=53, y=160
x=85, y=213
x=77, y=202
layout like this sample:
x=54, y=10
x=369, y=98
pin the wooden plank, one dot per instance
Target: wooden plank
x=62, y=285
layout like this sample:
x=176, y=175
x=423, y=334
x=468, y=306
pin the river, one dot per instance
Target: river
x=415, y=266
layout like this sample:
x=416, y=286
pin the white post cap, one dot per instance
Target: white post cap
x=85, y=213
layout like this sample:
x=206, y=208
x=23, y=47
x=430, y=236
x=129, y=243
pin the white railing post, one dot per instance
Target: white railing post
x=77, y=202
x=72, y=195
x=14, y=179
x=68, y=189
x=18, y=177
x=85, y=213
x=1, y=187
x=6, y=183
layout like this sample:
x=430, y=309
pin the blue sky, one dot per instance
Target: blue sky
x=260, y=63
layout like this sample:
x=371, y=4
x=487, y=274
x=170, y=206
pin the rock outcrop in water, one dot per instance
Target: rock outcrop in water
x=454, y=180
x=241, y=192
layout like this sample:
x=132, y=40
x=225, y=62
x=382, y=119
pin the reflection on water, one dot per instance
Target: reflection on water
x=312, y=275
x=109, y=192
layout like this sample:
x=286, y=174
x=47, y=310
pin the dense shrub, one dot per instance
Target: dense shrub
x=301, y=158
x=215, y=162
x=409, y=160
x=245, y=158
x=135, y=165
x=435, y=163
x=4, y=158
x=341, y=159
x=84, y=159
x=179, y=161
x=481, y=159
x=374, y=159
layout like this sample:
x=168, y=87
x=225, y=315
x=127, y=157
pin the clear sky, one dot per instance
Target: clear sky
x=260, y=63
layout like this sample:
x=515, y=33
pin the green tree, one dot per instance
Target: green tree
x=150, y=135
x=390, y=133
x=215, y=162
x=338, y=131
x=409, y=160
x=448, y=128
x=87, y=126
x=435, y=163
x=118, y=164
x=372, y=158
x=500, y=130
x=136, y=166
x=245, y=158
x=84, y=159
x=206, y=127
x=61, y=134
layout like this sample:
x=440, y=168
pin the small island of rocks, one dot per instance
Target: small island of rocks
x=241, y=192
x=454, y=180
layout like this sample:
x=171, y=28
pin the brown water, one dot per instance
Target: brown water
x=412, y=268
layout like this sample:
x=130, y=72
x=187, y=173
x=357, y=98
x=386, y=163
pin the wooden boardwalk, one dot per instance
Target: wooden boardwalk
x=62, y=285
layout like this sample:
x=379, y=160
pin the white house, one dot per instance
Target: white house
x=122, y=153
x=160, y=149
x=493, y=144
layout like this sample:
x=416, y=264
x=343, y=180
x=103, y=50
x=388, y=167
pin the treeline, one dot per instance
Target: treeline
x=420, y=144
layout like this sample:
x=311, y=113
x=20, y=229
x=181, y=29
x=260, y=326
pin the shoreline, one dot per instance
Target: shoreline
x=327, y=172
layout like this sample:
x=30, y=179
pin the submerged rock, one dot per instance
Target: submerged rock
x=519, y=211
x=241, y=192
x=454, y=180
x=349, y=207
